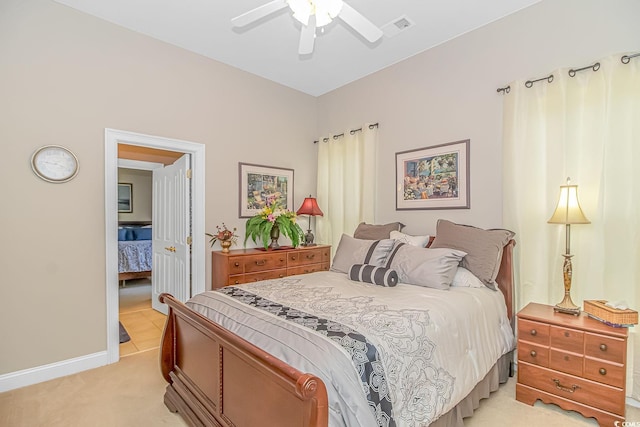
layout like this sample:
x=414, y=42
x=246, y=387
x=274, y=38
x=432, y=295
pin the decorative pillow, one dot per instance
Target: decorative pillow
x=376, y=232
x=371, y=274
x=466, y=279
x=483, y=247
x=420, y=241
x=143, y=234
x=122, y=234
x=357, y=251
x=433, y=268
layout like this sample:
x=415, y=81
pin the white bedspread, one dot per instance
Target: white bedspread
x=434, y=345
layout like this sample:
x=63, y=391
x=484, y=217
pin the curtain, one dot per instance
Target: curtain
x=346, y=183
x=585, y=127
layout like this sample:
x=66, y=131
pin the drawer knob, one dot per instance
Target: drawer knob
x=533, y=353
x=559, y=386
x=567, y=334
x=603, y=347
x=603, y=371
x=293, y=257
x=236, y=282
x=236, y=264
x=534, y=332
x=311, y=256
x=261, y=262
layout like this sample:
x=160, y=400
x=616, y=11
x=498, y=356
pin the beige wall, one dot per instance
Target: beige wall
x=449, y=93
x=66, y=76
x=141, y=191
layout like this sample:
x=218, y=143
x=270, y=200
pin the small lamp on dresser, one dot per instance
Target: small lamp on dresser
x=309, y=207
x=568, y=212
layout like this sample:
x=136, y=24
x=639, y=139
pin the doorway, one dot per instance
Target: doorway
x=113, y=140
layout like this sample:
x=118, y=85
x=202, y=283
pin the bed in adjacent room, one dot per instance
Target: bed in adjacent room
x=135, y=256
x=340, y=348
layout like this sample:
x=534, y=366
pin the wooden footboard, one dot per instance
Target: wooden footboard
x=218, y=379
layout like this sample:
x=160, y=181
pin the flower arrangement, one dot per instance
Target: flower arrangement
x=223, y=235
x=270, y=221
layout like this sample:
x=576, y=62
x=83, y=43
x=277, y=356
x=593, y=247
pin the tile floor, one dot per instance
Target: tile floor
x=143, y=324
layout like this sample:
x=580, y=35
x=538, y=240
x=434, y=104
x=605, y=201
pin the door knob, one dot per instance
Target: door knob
x=170, y=248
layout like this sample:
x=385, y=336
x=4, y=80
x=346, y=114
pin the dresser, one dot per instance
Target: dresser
x=251, y=265
x=575, y=362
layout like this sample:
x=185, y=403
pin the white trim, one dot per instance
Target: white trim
x=112, y=138
x=632, y=402
x=51, y=371
x=138, y=164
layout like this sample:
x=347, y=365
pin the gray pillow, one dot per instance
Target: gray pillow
x=357, y=251
x=483, y=247
x=433, y=268
x=371, y=274
x=376, y=232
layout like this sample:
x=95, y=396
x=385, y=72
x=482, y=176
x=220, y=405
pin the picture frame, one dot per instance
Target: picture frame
x=125, y=198
x=260, y=184
x=435, y=177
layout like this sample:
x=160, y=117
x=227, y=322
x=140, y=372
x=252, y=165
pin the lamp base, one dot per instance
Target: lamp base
x=567, y=306
x=308, y=239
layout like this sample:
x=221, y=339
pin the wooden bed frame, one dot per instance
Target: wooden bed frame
x=217, y=378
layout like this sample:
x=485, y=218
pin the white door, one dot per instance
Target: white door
x=171, y=232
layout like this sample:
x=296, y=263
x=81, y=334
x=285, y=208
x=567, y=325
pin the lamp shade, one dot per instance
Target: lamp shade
x=324, y=10
x=568, y=210
x=309, y=207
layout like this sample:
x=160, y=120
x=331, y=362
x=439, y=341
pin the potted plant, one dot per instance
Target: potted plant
x=223, y=235
x=270, y=222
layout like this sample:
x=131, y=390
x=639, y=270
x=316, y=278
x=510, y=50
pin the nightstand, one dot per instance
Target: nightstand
x=575, y=362
x=250, y=265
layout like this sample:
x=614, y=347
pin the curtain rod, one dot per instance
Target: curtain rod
x=572, y=72
x=351, y=132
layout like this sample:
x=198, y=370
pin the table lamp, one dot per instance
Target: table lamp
x=568, y=212
x=309, y=207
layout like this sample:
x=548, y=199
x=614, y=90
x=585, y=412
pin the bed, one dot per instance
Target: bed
x=218, y=378
x=135, y=256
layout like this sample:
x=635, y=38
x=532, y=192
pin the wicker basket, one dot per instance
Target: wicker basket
x=598, y=309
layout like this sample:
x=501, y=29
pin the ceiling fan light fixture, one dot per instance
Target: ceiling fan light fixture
x=324, y=10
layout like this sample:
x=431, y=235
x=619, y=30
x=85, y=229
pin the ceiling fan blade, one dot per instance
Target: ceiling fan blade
x=307, y=37
x=355, y=20
x=257, y=13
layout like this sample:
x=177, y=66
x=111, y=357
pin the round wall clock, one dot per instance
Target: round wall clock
x=54, y=163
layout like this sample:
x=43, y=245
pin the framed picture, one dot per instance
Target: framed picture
x=125, y=200
x=434, y=177
x=260, y=185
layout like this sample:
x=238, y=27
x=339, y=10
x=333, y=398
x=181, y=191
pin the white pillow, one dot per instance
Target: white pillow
x=433, y=268
x=420, y=241
x=466, y=279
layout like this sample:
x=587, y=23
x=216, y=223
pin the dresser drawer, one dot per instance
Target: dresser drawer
x=571, y=363
x=607, y=348
x=263, y=262
x=534, y=332
x=590, y=393
x=304, y=269
x=308, y=256
x=265, y=275
x=533, y=353
x=236, y=265
x=604, y=372
x=236, y=280
x=567, y=339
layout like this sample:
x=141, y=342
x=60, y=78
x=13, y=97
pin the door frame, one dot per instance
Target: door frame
x=113, y=137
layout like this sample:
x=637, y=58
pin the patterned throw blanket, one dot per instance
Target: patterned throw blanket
x=364, y=354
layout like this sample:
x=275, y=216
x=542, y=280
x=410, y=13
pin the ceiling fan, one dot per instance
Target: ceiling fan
x=313, y=14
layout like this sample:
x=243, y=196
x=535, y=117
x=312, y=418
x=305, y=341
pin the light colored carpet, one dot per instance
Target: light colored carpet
x=130, y=393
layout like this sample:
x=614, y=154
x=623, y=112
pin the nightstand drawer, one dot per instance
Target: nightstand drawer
x=308, y=256
x=534, y=332
x=570, y=363
x=607, y=348
x=604, y=372
x=304, y=269
x=590, y=393
x=567, y=339
x=532, y=353
x=236, y=265
x=264, y=262
x=236, y=280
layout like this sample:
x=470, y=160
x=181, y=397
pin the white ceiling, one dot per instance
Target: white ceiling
x=269, y=48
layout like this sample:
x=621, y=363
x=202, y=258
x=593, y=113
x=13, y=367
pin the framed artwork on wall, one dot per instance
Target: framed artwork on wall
x=435, y=177
x=261, y=185
x=125, y=198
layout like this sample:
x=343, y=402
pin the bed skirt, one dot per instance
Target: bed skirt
x=499, y=374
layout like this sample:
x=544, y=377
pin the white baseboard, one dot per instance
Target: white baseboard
x=632, y=402
x=51, y=371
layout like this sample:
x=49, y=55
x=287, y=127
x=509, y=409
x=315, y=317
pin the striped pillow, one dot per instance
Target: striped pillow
x=371, y=274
